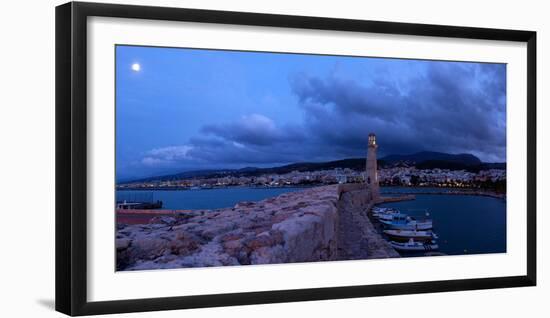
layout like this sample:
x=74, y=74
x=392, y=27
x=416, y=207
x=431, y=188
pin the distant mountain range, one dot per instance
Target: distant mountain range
x=420, y=160
x=423, y=156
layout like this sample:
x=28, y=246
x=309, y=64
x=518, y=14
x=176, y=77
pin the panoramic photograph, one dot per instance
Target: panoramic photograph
x=227, y=158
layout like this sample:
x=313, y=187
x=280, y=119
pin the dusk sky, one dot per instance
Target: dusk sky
x=187, y=109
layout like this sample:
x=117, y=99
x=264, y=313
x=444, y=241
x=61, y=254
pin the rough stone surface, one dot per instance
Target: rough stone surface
x=357, y=236
x=293, y=227
x=318, y=224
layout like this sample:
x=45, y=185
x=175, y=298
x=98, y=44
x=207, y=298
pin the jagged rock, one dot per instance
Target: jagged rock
x=300, y=226
x=122, y=243
x=244, y=204
x=233, y=248
x=148, y=248
x=168, y=220
x=260, y=241
x=184, y=244
x=269, y=255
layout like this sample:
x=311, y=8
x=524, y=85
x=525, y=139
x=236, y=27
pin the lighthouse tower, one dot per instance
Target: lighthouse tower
x=372, y=170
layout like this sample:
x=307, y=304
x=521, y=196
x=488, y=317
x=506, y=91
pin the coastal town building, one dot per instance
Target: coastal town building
x=388, y=175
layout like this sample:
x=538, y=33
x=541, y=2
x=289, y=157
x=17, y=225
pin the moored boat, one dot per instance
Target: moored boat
x=389, y=217
x=414, y=246
x=377, y=209
x=404, y=222
x=125, y=205
x=385, y=213
x=408, y=234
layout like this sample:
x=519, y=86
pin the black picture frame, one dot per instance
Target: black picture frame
x=71, y=157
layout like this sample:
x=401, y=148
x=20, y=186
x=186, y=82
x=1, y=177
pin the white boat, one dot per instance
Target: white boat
x=414, y=246
x=384, y=213
x=408, y=234
x=389, y=217
x=125, y=205
x=378, y=209
x=404, y=222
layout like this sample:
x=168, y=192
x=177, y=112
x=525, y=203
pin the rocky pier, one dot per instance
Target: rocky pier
x=317, y=224
x=357, y=236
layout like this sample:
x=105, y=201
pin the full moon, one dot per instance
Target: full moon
x=136, y=67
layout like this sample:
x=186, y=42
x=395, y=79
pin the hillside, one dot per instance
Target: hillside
x=423, y=156
x=421, y=160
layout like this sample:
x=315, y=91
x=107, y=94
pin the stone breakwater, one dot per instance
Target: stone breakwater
x=357, y=236
x=303, y=226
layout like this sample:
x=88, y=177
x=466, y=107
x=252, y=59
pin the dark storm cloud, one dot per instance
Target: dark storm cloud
x=451, y=107
x=441, y=106
x=253, y=139
x=254, y=129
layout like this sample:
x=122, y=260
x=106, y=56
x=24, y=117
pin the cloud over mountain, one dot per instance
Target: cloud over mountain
x=326, y=110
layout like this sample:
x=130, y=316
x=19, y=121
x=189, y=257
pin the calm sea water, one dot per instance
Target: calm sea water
x=415, y=190
x=465, y=224
x=206, y=198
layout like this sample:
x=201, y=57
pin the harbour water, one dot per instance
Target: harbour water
x=208, y=198
x=465, y=224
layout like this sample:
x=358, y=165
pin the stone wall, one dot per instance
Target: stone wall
x=358, y=238
x=293, y=227
x=301, y=226
x=349, y=187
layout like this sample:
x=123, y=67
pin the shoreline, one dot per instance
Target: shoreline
x=134, y=216
x=435, y=191
x=218, y=188
x=319, y=224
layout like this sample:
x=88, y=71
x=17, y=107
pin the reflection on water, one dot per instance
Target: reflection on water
x=466, y=224
x=206, y=198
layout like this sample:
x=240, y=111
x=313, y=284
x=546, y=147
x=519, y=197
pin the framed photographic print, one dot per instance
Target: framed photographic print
x=211, y=158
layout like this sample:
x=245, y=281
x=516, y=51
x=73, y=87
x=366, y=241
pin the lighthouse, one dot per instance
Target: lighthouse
x=372, y=170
